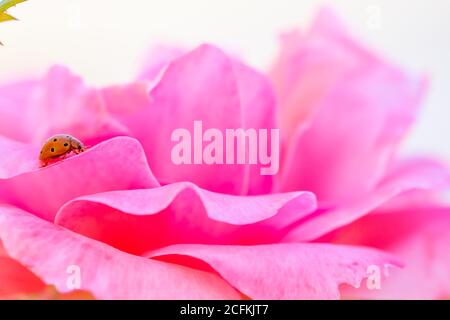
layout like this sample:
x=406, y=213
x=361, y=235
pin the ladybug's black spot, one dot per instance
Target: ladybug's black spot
x=54, y=140
x=66, y=144
x=52, y=149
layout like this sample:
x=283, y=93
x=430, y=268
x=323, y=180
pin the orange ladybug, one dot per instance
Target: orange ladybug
x=59, y=146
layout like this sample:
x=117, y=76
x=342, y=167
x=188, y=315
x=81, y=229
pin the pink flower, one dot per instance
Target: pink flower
x=139, y=226
x=18, y=282
x=346, y=112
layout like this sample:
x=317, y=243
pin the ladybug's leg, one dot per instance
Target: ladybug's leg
x=79, y=150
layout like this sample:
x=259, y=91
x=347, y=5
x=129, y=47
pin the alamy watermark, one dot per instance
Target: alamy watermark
x=374, y=276
x=234, y=146
x=374, y=17
x=73, y=281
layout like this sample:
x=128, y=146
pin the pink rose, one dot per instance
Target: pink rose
x=135, y=225
x=18, y=282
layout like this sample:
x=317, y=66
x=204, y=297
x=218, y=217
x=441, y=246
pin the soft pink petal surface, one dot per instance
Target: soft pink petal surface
x=106, y=272
x=343, y=112
x=157, y=59
x=284, y=271
x=208, y=86
x=358, y=109
x=419, y=236
x=116, y=164
x=125, y=100
x=14, y=106
x=59, y=102
x=140, y=220
x=62, y=103
x=405, y=176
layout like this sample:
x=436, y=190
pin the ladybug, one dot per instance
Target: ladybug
x=58, y=147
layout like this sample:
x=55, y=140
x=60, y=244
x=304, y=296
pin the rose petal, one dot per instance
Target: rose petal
x=18, y=282
x=17, y=279
x=208, y=86
x=14, y=106
x=258, y=111
x=62, y=103
x=115, y=164
x=360, y=108
x=417, y=235
x=310, y=64
x=405, y=176
x=140, y=220
x=157, y=59
x=126, y=100
x=17, y=158
x=106, y=272
x=284, y=271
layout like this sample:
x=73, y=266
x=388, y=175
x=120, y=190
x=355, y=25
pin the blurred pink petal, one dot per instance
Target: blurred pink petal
x=125, y=100
x=140, y=220
x=17, y=157
x=420, y=236
x=405, y=176
x=220, y=231
x=359, y=108
x=309, y=64
x=284, y=271
x=116, y=164
x=157, y=59
x=16, y=279
x=105, y=271
x=205, y=85
x=33, y=110
x=15, y=100
x=63, y=103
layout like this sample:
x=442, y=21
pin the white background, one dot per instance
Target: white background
x=105, y=40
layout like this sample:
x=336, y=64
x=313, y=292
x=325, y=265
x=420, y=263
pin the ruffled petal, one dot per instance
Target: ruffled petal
x=404, y=177
x=283, y=271
x=358, y=108
x=309, y=64
x=115, y=164
x=203, y=85
x=62, y=103
x=16, y=279
x=56, y=255
x=140, y=220
x=157, y=59
x=420, y=237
